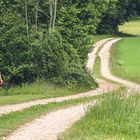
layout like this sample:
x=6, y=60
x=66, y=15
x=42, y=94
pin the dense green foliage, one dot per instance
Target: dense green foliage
x=136, y=7
x=117, y=13
x=37, y=90
x=79, y=22
x=50, y=39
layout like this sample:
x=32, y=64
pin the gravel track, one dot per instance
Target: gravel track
x=19, y=107
x=103, y=87
x=92, y=56
x=105, y=71
x=48, y=127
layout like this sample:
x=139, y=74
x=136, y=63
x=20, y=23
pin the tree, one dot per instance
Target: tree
x=55, y=11
x=26, y=15
x=118, y=12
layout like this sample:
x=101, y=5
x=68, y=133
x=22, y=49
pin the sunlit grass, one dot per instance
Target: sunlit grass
x=115, y=118
x=125, y=59
x=12, y=121
x=37, y=90
x=132, y=27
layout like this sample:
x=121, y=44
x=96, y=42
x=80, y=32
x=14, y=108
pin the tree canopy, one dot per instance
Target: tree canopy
x=49, y=38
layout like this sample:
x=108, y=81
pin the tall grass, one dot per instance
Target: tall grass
x=124, y=61
x=14, y=120
x=37, y=90
x=116, y=117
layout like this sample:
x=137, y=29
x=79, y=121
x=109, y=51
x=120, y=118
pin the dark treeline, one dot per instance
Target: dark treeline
x=49, y=38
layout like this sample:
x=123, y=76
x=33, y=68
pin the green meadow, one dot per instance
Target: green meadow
x=125, y=59
x=125, y=54
x=37, y=90
x=132, y=27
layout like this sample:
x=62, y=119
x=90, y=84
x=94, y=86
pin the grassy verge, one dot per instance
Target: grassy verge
x=12, y=121
x=131, y=27
x=125, y=59
x=115, y=118
x=39, y=90
x=97, y=68
x=100, y=37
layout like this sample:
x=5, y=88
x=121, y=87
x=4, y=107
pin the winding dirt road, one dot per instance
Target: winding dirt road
x=19, y=107
x=53, y=124
x=103, y=87
x=105, y=71
x=92, y=56
x=50, y=126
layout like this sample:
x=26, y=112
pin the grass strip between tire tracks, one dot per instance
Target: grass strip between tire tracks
x=12, y=121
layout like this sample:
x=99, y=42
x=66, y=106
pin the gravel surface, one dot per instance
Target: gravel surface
x=92, y=56
x=105, y=57
x=53, y=124
x=103, y=87
x=50, y=126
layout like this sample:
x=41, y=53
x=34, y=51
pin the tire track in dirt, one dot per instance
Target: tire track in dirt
x=50, y=126
x=103, y=87
x=105, y=71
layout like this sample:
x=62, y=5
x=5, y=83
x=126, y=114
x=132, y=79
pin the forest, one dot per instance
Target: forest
x=50, y=39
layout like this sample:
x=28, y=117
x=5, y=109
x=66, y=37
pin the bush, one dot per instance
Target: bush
x=16, y=65
x=44, y=54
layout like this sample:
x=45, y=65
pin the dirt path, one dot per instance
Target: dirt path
x=50, y=126
x=103, y=87
x=53, y=124
x=105, y=71
x=92, y=56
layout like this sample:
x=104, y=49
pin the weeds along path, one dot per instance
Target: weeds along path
x=53, y=124
x=103, y=87
x=19, y=107
x=105, y=71
x=50, y=126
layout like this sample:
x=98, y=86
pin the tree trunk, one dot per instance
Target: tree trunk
x=36, y=14
x=51, y=14
x=26, y=16
x=36, y=19
x=55, y=10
